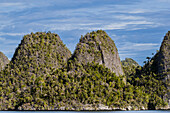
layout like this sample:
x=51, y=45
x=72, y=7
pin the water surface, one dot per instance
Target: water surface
x=148, y=111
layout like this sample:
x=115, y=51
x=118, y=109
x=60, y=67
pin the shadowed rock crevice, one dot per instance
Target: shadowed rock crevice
x=102, y=56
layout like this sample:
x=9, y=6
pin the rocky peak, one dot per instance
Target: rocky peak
x=161, y=61
x=3, y=61
x=39, y=53
x=98, y=47
x=165, y=55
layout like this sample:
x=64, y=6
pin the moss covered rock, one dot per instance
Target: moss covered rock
x=129, y=66
x=98, y=47
x=41, y=52
x=36, y=57
x=3, y=61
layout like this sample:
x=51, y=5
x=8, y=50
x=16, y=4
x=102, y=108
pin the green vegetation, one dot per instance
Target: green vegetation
x=98, y=47
x=152, y=84
x=147, y=84
x=129, y=66
x=43, y=75
x=34, y=59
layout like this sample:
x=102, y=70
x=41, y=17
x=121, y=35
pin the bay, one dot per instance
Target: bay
x=147, y=111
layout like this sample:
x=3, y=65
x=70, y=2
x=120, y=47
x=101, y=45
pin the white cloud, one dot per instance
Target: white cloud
x=138, y=11
x=127, y=25
x=166, y=1
x=129, y=46
x=10, y=4
x=129, y=17
x=145, y=44
x=138, y=51
x=8, y=7
x=20, y=5
x=107, y=17
x=126, y=55
x=130, y=25
x=2, y=39
x=12, y=34
x=122, y=9
x=142, y=7
x=25, y=16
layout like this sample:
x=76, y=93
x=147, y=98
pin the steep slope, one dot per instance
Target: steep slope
x=97, y=47
x=3, y=61
x=154, y=77
x=39, y=77
x=36, y=57
x=41, y=52
x=129, y=66
x=161, y=63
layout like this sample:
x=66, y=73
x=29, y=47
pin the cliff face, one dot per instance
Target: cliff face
x=3, y=61
x=161, y=63
x=98, y=47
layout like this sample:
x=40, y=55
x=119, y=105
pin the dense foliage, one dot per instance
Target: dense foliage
x=152, y=84
x=37, y=56
x=42, y=75
x=129, y=66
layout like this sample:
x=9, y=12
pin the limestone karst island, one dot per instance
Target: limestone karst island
x=44, y=75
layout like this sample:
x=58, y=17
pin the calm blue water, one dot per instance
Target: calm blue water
x=154, y=111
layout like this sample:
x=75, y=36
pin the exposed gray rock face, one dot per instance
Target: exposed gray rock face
x=162, y=58
x=161, y=64
x=98, y=47
x=3, y=61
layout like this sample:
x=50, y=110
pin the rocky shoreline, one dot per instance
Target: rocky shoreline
x=88, y=107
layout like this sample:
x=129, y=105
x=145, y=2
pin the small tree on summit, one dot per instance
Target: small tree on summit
x=148, y=58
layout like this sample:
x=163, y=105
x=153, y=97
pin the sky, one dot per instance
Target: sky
x=136, y=26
